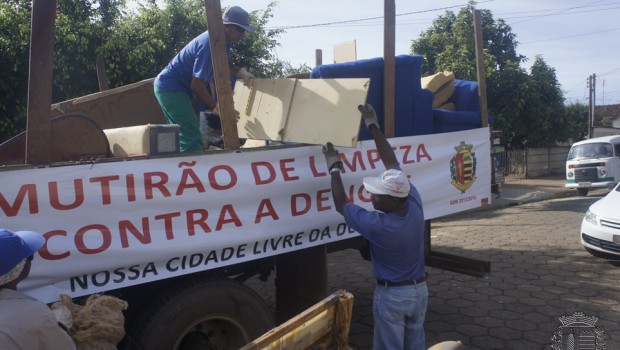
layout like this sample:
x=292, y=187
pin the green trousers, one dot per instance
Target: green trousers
x=178, y=109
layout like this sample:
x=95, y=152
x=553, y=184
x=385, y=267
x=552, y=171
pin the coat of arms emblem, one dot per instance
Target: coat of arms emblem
x=578, y=331
x=463, y=167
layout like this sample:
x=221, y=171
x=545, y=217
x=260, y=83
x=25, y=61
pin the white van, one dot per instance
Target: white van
x=593, y=163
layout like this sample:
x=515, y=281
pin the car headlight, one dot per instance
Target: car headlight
x=590, y=217
x=570, y=174
x=602, y=172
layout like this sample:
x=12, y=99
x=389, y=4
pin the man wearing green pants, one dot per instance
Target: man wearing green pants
x=188, y=74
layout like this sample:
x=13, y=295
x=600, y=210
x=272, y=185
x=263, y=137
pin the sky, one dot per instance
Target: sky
x=578, y=38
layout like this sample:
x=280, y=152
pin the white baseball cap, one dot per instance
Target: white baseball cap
x=391, y=182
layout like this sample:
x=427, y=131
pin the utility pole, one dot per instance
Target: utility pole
x=592, y=104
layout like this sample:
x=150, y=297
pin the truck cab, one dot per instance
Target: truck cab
x=593, y=163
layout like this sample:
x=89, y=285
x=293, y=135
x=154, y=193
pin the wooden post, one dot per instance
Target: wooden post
x=482, y=83
x=221, y=71
x=102, y=74
x=318, y=57
x=39, y=126
x=389, y=67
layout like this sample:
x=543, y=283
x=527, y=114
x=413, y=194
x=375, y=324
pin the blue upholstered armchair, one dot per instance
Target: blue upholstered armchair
x=467, y=109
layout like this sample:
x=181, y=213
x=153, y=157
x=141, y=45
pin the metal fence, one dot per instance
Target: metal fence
x=510, y=165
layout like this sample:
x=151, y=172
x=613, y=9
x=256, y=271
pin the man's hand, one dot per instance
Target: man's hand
x=246, y=76
x=331, y=157
x=236, y=115
x=369, y=115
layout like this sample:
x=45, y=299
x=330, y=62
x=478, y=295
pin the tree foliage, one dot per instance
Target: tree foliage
x=14, y=38
x=135, y=45
x=528, y=107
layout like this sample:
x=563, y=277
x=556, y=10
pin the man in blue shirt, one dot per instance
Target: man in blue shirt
x=395, y=232
x=188, y=74
x=25, y=323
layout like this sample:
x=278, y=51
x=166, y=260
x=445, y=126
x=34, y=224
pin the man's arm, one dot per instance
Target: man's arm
x=383, y=146
x=334, y=165
x=199, y=88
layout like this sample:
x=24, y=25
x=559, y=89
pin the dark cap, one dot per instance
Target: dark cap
x=239, y=17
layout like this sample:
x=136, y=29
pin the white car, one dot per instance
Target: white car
x=600, y=228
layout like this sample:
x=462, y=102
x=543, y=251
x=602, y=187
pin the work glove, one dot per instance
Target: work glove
x=246, y=76
x=236, y=113
x=368, y=115
x=331, y=157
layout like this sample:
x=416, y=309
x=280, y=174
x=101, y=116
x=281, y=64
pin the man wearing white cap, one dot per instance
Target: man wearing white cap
x=188, y=74
x=25, y=323
x=395, y=232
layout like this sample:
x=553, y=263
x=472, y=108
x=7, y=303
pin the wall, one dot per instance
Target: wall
x=546, y=161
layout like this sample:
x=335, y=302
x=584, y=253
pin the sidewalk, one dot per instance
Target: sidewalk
x=532, y=190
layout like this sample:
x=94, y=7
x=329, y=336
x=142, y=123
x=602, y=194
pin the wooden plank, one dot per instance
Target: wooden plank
x=38, y=137
x=482, y=82
x=345, y=52
x=389, y=67
x=318, y=57
x=102, y=73
x=217, y=41
x=326, y=323
x=128, y=105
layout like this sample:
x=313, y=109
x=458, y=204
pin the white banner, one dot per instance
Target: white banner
x=115, y=224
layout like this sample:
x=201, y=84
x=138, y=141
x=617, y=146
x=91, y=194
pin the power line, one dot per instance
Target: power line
x=562, y=11
x=571, y=36
x=371, y=18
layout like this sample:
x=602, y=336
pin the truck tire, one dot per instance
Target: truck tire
x=201, y=314
x=583, y=192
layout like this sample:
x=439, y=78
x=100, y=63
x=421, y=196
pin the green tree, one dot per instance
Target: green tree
x=576, y=118
x=135, y=46
x=14, y=39
x=545, y=108
x=527, y=108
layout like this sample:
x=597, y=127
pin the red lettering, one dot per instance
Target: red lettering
x=168, y=223
x=126, y=227
x=360, y=195
x=78, y=187
x=295, y=211
x=356, y=159
x=213, y=180
x=45, y=252
x=265, y=208
x=105, y=187
x=406, y=159
x=315, y=173
x=321, y=197
x=150, y=183
x=257, y=177
x=12, y=210
x=285, y=170
x=422, y=153
x=197, y=217
x=189, y=174
x=106, y=239
x=131, y=188
x=350, y=194
x=373, y=158
x=233, y=218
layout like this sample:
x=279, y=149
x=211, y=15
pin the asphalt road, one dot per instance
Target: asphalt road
x=539, y=273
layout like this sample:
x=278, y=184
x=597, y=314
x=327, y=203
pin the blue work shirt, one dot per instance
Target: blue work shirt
x=194, y=60
x=396, y=241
